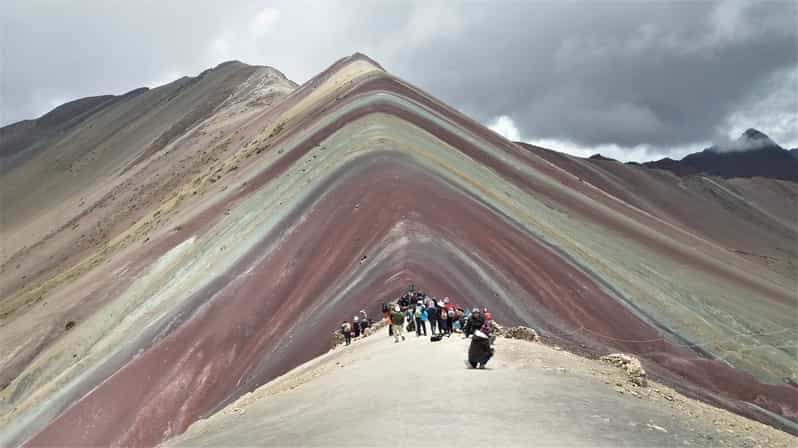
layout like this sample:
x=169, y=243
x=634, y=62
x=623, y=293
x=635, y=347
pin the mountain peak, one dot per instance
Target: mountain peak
x=753, y=154
x=754, y=134
x=752, y=139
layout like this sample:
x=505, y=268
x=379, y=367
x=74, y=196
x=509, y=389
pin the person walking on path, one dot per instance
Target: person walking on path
x=355, y=327
x=346, y=330
x=397, y=322
x=480, y=351
x=386, y=314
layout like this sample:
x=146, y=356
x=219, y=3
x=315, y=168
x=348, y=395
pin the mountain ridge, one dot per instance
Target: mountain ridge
x=754, y=154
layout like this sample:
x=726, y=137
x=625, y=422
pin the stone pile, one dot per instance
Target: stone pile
x=634, y=370
x=519, y=332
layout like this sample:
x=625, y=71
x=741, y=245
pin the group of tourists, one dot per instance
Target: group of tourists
x=415, y=311
x=356, y=327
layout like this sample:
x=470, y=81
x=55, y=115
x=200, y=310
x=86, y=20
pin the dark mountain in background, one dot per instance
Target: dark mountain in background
x=754, y=154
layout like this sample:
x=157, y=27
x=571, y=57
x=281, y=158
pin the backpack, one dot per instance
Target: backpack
x=418, y=313
x=451, y=314
x=346, y=327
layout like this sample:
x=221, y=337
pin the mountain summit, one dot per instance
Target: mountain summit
x=754, y=134
x=753, y=154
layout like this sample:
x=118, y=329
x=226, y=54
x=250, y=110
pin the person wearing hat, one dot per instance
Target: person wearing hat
x=443, y=318
x=364, y=323
x=480, y=351
x=474, y=323
x=346, y=330
x=397, y=322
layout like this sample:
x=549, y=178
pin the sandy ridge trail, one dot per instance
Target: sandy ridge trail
x=417, y=393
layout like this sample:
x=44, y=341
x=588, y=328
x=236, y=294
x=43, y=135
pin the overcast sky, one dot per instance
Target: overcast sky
x=632, y=80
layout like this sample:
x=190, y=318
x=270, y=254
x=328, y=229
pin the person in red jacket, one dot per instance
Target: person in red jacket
x=386, y=314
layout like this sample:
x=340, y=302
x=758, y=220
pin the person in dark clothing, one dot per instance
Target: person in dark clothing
x=480, y=351
x=450, y=321
x=459, y=319
x=346, y=330
x=432, y=316
x=355, y=327
x=475, y=322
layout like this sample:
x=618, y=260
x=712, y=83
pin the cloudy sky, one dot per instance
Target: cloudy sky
x=632, y=80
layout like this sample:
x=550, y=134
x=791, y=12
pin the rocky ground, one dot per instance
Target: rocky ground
x=376, y=392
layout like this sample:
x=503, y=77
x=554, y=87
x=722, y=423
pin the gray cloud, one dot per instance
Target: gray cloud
x=633, y=75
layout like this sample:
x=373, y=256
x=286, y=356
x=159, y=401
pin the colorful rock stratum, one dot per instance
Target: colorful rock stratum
x=168, y=250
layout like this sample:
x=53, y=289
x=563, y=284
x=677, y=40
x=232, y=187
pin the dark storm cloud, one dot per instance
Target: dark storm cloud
x=660, y=75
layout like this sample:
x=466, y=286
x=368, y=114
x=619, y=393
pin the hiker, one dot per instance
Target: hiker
x=443, y=319
x=397, y=321
x=450, y=321
x=419, y=315
x=432, y=316
x=474, y=322
x=411, y=321
x=386, y=314
x=448, y=315
x=424, y=318
x=355, y=327
x=364, y=323
x=487, y=315
x=346, y=330
x=480, y=351
x=459, y=317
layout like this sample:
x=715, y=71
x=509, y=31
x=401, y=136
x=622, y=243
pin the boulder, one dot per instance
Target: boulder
x=630, y=364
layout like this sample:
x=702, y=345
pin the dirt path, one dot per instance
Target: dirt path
x=417, y=393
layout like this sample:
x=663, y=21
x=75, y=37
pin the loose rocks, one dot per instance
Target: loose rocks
x=631, y=365
x=523, y=333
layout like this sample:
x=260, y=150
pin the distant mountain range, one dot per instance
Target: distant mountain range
x=753, y=154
